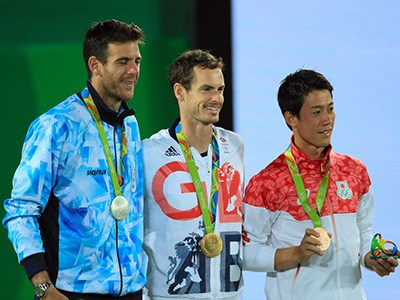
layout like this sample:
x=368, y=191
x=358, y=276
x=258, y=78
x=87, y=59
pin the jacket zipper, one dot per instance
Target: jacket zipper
x=116, y=221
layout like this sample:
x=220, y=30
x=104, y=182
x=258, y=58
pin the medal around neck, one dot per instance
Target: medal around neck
x=323, y=238
x=211, y=244
x=120, y=208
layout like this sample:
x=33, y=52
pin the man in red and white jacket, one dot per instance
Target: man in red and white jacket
x=279, y=235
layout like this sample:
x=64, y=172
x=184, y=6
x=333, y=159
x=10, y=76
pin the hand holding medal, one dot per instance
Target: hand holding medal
x=323, y=238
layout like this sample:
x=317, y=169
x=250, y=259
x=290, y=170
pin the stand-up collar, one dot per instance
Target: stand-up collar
x=171, y=130
x=303, y=159
x=107, y=115
x=172, y=133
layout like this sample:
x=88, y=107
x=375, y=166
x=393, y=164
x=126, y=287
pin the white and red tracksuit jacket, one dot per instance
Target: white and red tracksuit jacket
x=274, y=219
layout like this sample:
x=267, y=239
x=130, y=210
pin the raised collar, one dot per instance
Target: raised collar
x=304, y=161
x=172, y=133
x=107, y=115
x=171, y=130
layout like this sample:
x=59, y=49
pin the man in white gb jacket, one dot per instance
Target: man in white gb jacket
x=180, y=266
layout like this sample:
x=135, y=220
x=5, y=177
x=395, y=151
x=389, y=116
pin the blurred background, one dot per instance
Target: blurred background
x=356, y=46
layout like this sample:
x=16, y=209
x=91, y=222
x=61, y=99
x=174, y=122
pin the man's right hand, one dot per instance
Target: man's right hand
x=288, y=258
x=53, y=294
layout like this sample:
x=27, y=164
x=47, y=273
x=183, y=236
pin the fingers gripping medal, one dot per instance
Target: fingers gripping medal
x=120, y=208
x=211, y=244
x=323, y=238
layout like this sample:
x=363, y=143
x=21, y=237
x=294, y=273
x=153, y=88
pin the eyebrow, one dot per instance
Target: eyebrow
x=211, y=86
x=124, y=58
x=321, y=106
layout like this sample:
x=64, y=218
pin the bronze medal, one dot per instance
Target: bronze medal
x=323, y=238
x=211, y=244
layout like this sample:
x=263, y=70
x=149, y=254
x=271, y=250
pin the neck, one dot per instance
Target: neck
x=310, y=150
x=198, y=136
x=112, y=103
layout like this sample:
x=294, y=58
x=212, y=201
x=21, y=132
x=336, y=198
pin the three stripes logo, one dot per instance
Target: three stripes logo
x=171, y=151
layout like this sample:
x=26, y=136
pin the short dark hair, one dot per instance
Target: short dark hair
x=181, y=70
x=101, y=34
x=296, y=87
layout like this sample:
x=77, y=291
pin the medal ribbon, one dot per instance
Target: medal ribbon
x=301, y=191
x=187, y=153
x=116, y=179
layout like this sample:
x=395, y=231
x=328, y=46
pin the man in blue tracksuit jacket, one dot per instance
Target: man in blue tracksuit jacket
x=75, y=216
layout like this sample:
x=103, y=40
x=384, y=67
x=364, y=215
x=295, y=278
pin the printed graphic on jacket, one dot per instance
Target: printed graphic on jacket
x=229, y=199
x=189, y=269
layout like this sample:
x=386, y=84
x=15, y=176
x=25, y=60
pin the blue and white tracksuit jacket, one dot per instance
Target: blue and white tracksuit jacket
x=59, y=218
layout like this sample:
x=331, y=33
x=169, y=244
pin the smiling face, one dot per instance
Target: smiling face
x=312, y=130
x=202, y=103
x=115, y=79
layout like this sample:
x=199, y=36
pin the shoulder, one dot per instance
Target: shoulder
x=351, y=168
x=159, y=144
x=273, y=170
x=69, y=113
x=72, y=109
x=346, y=163
x=229, y=140
x=267, y=180
x=228, y=134
x=157, y=138
x=64, y=121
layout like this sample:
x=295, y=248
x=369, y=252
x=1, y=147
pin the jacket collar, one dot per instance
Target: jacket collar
x=171, y=130
x=107, y=115
x=304, y=160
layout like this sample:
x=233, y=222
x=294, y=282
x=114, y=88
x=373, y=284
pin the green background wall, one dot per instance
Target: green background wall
x=41, y=64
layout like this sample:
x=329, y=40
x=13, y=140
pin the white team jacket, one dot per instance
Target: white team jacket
x=173, y=220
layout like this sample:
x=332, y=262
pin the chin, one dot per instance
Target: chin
x=215, y=119
x=324, y=145
x=127, y=97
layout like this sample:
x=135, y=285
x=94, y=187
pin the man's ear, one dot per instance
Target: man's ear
x=94, y=65
x=179, y=91
x=290, y=119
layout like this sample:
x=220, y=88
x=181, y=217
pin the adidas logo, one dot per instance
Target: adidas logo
x=171, y=152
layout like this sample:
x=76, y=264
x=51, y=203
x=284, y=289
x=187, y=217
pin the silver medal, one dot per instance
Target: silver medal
x=120, y=208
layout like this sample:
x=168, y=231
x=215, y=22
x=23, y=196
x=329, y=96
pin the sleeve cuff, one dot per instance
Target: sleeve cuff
x=259, y=258
x=34, y=264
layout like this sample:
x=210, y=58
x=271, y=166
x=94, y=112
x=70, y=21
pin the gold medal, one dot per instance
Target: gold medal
x=211, y=244
x=120, y=208
x=323, y=238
